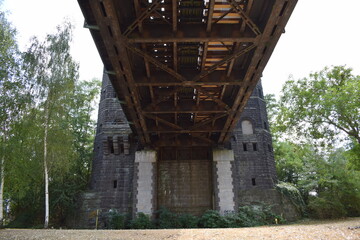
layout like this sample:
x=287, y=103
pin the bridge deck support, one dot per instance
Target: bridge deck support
x=145, y=170
x=224, y=194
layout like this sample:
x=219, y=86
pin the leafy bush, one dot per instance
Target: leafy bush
x=323, y=208
x=246, y=216
x=141, y=221
x=290, y=191
x=167, y=219
x=212, y=219
x=249, y=216
x=188, y=221
x=115, y=220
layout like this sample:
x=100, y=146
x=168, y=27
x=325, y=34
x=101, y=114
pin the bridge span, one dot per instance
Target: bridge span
x=182, y=118
x=184, y=69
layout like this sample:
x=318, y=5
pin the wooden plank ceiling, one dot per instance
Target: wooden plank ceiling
x=184, y=69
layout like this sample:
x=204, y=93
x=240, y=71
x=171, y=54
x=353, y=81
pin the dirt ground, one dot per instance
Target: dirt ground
x=314, y=230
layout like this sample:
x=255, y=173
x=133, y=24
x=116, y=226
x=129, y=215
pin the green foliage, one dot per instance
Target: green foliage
x=257, y=215
x=13, y=97
x=289, y=190
x=212, y=219
x=331, y=177
x=45, y=76
x=246, y=216
x=312, y=115
x=323, y=208
x=188, y=221
x=322, y=106
x=289, y=161
x=141, y=221
x=167, y=219
x=115, y=220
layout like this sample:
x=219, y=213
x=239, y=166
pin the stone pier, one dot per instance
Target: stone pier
x=145, y=181
x=225, y=188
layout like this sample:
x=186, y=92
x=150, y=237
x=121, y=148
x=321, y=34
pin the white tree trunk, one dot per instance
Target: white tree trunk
x=46, y=223
x=2, y=172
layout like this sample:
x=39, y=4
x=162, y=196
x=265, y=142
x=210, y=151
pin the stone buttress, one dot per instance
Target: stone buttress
x=129, y=179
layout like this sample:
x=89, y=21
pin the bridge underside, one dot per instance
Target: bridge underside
x=184, y=69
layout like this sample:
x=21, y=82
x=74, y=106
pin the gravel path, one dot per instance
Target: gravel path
x=348, y=229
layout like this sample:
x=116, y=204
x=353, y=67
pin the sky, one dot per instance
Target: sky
x=319, y=33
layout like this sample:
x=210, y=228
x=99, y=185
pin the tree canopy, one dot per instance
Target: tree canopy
x=43, y=103
x=321, y=108
x=323, y=105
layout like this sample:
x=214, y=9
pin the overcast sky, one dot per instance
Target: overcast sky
x=319, y=33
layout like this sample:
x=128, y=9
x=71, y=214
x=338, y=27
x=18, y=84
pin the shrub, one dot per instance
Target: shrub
x=231, y=220
x=188, y=221
x=212, y=219
x=323, y=208
x=247, y=216
x=167, y=219
x=141, y=221
x=250, y=216
x=115, y=220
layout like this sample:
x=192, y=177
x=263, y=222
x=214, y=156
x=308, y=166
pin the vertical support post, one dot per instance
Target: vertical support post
x=225, y=188
x=145, y=161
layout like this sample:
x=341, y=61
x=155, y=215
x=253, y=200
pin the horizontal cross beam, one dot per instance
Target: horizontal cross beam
x=195, y=33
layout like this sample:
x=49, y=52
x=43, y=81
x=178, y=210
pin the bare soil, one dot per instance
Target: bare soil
x=314, y=230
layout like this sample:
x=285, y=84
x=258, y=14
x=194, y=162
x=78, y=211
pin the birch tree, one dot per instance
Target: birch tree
x=53, y=73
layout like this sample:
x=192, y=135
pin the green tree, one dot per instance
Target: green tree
x=51, y=70
x=320, y=108
x=323, y=105
x=24, y=174
x=65, y=190
x=12, y=94
x=46, y=129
